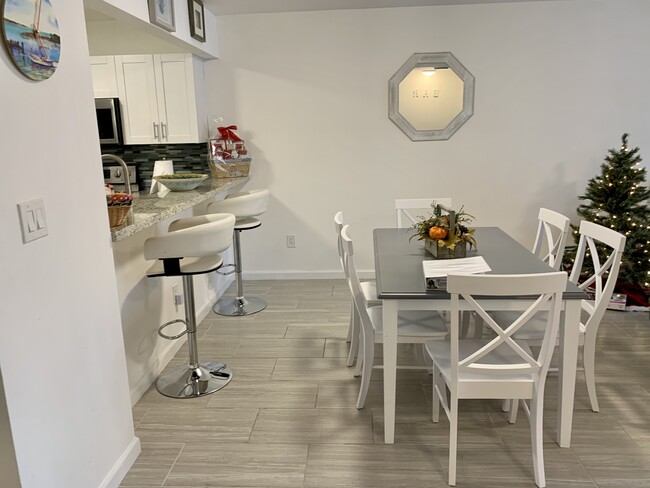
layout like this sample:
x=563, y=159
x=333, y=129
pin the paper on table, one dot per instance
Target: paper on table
x=163, y=167
x=436, y=270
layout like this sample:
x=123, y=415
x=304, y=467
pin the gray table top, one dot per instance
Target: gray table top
x=398, y=262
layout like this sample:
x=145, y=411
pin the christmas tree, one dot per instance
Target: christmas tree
x=618, y=199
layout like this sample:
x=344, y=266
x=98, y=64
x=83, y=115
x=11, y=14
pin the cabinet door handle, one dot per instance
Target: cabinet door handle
x=163, y=126
x=155, y=131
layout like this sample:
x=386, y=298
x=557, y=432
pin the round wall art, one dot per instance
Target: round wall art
x=30, y=33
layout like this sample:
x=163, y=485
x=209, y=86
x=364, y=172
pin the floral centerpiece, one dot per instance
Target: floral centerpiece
x=445, y=232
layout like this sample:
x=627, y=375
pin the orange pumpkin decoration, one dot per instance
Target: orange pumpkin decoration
x=438, y=232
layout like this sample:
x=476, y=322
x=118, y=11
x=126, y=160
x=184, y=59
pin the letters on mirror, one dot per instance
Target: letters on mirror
x=431, y=96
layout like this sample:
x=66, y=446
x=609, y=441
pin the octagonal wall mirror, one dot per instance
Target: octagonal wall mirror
x=431, y=96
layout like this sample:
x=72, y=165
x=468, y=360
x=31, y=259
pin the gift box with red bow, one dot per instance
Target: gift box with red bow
x=227, y=144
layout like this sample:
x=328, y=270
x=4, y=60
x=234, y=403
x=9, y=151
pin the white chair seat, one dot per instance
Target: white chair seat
x=189, y=266
x=246, y=223
x=369, y=290
x=440, y=351
x=534, y=328
x=410, y=324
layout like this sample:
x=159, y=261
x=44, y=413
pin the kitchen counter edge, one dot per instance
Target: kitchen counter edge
x=148, y=209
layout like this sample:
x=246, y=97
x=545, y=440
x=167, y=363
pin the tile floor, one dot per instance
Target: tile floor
x=288, y=420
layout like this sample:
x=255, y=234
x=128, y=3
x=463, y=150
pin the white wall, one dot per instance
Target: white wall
x=61, y=348
x=557, y=83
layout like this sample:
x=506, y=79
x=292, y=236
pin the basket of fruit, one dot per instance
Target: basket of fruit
x=119, y=206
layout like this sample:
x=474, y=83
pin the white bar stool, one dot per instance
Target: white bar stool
x=191, y=247
x=246, y=207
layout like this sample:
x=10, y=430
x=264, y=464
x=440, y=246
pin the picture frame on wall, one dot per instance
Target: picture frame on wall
x=161, y=13
x=197, y=19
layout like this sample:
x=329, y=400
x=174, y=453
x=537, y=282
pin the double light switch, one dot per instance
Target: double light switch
x=32, y=219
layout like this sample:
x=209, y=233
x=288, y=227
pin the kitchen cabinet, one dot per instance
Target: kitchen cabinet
x=104, y=76
x=162, y=97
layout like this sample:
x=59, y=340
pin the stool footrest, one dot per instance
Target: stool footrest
x=167, y=324
x=226, y=273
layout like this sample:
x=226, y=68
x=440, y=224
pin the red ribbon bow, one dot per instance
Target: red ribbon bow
x=227, y=133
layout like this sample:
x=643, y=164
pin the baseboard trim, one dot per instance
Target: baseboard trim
x=123, y=464
x=303, y=275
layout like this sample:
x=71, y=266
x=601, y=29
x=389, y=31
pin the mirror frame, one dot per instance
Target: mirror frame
x=437, y=60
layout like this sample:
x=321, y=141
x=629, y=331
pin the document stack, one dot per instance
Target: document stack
x=436, y=270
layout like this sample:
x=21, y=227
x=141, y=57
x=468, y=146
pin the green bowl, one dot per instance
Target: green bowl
x=181, y=181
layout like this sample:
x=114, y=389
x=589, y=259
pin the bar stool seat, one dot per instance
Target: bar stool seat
x=246, y=206
x=191, y=247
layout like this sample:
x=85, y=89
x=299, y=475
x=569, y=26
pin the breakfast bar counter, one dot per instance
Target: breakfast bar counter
x=149, y=210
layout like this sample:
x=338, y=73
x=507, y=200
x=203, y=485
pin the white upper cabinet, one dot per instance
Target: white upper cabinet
x=104, y=78
x=162, y=98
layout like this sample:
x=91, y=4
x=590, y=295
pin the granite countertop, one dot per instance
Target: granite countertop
x=148, y=209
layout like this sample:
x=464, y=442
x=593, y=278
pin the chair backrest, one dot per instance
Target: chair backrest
x=550, y=241
x=338, y=226
x=545, y=292
x=597, y=243
x=203, y=235
x=406, y=207
x=354, y=282
x=244, y=204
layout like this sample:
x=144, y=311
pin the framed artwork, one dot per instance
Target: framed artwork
x=161, y=13
x=197, y=25
x=30, y=34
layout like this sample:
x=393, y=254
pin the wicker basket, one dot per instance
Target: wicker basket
x=229, y=168
x=117, y=214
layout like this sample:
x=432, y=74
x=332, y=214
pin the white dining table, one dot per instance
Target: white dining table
x=400, y=286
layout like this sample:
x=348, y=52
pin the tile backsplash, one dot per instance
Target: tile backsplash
x=187, y=158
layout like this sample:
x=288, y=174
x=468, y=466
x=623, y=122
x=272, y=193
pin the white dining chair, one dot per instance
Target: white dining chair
x=501, y=367
x=604, y=248
x=550, y=241
x=369, y=290
x=405, y=208
x=413, y=327
x=549, y=246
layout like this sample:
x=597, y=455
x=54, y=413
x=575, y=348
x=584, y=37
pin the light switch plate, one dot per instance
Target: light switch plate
x=32, y=219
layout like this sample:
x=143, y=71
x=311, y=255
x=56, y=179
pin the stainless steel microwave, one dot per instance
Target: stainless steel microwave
x=109, y=120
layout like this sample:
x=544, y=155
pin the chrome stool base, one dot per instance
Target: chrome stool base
x=187, y=382
x=238, y=307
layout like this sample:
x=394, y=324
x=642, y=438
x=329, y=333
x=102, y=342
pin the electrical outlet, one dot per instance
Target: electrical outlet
x=291, y=240
x=178, y=297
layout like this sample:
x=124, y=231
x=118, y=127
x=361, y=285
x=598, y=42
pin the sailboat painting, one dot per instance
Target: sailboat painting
x=30, y=32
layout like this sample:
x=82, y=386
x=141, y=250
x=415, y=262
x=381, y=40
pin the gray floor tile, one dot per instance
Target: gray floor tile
x=288, y=418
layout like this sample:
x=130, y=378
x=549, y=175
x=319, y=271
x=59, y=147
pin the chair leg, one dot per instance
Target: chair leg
x=453, y=437
x=354, y=336
x=435, y=398
x=478, y=326
x=368, y=353
x=238, y=306
x=349, y=337
x=464, y=328
x=589, y=362
x=514, y=407
x=537, y=436
x=194, y=379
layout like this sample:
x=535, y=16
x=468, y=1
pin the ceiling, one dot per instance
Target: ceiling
x=233, y=7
